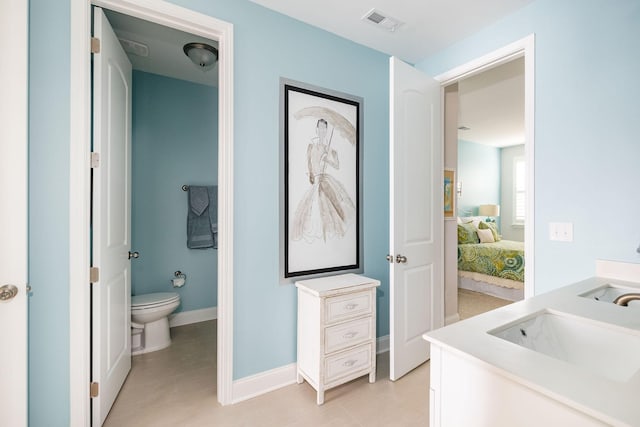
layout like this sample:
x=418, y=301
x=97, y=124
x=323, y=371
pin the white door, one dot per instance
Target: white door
x=416, y=203
x=13, y=212
x=111, y=294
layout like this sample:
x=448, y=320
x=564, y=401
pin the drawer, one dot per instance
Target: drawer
x=347, y=306
x=347, y=334
x=348, y=362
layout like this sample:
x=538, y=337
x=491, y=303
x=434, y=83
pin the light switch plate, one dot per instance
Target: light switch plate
x=561, y=231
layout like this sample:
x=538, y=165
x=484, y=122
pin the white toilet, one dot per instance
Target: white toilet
x=149, y=321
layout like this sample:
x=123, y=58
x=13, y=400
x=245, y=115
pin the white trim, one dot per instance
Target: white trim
x=529, y=150
x=14, y=177
x=524, y=47
x=627, y=271
x=264, y=382
x=170, y=15
x=490, y=60
x=273, y=379
x=382, y=344
x=79, y=187
x=193, y=316
x=453, y=318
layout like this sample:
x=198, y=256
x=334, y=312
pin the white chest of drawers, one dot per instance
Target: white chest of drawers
x=336, y=330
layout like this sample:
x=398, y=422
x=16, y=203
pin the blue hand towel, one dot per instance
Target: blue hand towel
x=198, y=199
x=202, y=212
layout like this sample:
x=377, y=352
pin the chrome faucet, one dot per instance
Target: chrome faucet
x=625, y=299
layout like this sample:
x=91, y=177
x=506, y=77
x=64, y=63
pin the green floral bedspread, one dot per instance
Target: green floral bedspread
x=500, y=259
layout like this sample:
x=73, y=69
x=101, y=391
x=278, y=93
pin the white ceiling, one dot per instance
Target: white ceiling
x=429, y=25
x=492, y=106
x=491, y=103
x=165, y=44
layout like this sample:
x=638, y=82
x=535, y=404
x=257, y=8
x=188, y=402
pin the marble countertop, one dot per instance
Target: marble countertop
x=613, y=402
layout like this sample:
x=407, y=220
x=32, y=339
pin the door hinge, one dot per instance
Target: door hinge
x=94, y=389
x=94, y=274
x=95, y=160
x=95, y=45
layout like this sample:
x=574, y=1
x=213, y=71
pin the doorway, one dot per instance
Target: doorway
x=518, y=55
x=185, y=20
x=155, y=131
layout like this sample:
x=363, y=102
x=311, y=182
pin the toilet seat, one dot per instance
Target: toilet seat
x=157, y=299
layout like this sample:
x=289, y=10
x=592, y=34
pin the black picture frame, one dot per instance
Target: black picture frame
x=321, y=181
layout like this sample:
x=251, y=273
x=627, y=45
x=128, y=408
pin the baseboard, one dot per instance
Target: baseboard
x=193, y=316
x=382, y=344
x=452, y=319
x=264, y=382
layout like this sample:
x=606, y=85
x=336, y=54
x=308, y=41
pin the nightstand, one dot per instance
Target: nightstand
x=336, y=331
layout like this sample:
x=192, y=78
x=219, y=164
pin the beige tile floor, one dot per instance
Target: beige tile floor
x=177, y=387
x=472, y=303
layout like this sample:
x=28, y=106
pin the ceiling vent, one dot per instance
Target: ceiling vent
x=134, y=48
x=382, y=20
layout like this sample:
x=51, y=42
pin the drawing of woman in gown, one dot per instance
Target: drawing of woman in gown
x=326, y=210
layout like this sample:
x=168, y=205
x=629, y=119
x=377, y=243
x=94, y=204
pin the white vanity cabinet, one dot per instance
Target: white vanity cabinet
x=464, y=392
x=336, y=330
x=577, y=363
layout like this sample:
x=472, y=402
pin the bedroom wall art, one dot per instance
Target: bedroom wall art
x=449, y=193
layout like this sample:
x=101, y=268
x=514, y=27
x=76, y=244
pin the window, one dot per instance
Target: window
x=520, y=188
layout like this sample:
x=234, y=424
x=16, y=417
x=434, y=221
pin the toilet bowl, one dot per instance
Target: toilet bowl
x=150, y=322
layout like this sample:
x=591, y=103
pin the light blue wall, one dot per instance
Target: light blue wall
x=175, y=142
x=267, y=46
x=479, y=171
x=587, y=93
x=586, y=143
x=48, y=385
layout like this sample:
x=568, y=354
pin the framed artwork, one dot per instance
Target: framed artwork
x=321, y=181
x=449, y=193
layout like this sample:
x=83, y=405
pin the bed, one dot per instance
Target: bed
x=491, y=267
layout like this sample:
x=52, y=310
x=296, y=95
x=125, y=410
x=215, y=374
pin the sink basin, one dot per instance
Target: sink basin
x=609, y=292
x=607, y=350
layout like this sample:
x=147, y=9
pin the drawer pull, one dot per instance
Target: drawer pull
x=349, y=335
x=351, y=306
x=349, y=363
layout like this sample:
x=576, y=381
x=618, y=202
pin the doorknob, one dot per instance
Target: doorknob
x=7, y=292
x=134, y=255
x=400, y=259
x=389, y=258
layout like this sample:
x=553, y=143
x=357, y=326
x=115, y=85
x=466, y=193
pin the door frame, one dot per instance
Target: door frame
x=524, y=47
x=14, y=134
x=183, y=19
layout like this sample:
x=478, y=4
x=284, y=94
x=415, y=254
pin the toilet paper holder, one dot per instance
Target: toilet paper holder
x=179, y=280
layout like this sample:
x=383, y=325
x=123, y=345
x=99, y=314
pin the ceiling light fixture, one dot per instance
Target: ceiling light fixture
x=201, y=54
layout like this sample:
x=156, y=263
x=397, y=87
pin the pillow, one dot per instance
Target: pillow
x=486, y=236
x=467, y=233
x=490, y=226
x=475, y=220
